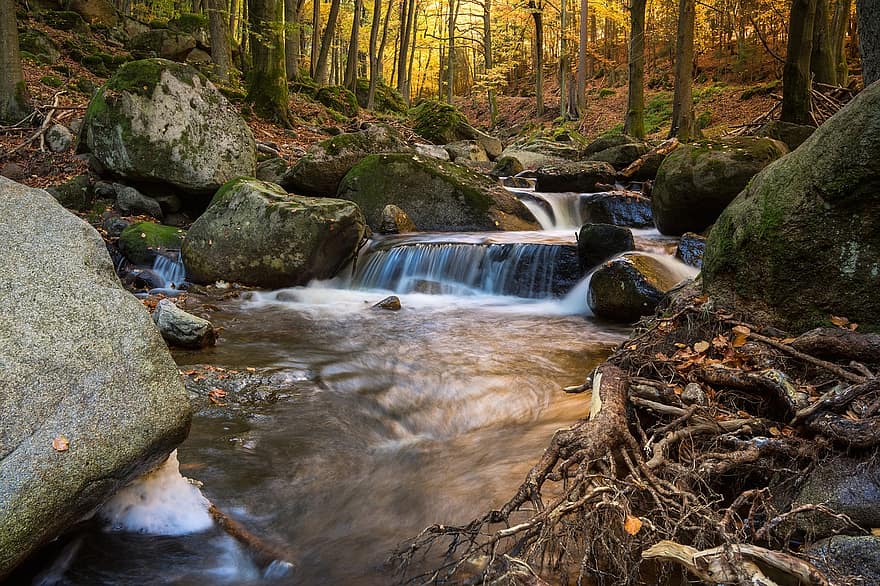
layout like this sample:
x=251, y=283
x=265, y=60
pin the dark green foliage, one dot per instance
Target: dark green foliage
x=189, y=22
x=51, y=81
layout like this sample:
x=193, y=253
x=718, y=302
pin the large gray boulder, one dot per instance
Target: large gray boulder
x=579, y=177
x=326, y=163
x=802, y=241
x=256, y=233
x=81, y=361
x=696, y=181
x=156, y=120
x=848, y=556
x=164, y=43
x=437, y=196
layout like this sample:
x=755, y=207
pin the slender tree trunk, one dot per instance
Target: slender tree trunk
x=796, y=75
x=839, y=26
x=488, y=61
x=316, y=38
x=582, y=59
x=322, y=70
x=267, y=87
x=635, y=95
x=869, y=39
x=450, y=62
x=683, y=126
x=220, y=51
x=374, y=53
x=564, y=65
x=293, y=36
x=536, y=8
x=822, y=57
x=412, y=49
x=351, y=63
x=14, y=101
x=407, y=22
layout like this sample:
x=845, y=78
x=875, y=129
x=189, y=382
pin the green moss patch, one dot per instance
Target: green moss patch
x=141, y=242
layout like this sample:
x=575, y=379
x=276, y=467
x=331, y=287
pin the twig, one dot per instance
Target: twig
x=831, y=367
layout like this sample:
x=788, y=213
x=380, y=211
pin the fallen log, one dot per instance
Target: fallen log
x=838, y=343
x=664, y=148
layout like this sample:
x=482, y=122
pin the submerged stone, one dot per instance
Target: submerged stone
x=181, y=328
x=630, y=286
x=598, y=242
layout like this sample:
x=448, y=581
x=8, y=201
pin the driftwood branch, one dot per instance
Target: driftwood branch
x=664, y=148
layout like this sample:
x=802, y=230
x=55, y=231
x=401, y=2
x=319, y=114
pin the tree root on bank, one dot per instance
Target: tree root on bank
x=651, y=485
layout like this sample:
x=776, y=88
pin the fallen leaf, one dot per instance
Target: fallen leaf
x=875, y=532
x=853, y=327
x=839, y=320
x=216, y=395
x=739, y=341
x=788, y=340
x=774, y=431
x=720, y=342
x=701, y=346
x=252, y=369
x=742, y=330
x=680, y=345
x=632, y=524
x=60, y=444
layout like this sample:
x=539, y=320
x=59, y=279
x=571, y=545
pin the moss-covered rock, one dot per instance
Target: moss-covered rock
x=326, y=163
x=40, y=45
x=75, y=194
x=802, y=241
x=141, y=242
x=793, y=135
x=386, y=99
x=696, y=181
x=339, y=99
x=578, y=177
x=164, y=43
x=607, y=141
x=96, y=12
x=621, y=155
x=65, y=20
x=161, y=121
x=255, y=233
x=437, y=195
x=437, y=122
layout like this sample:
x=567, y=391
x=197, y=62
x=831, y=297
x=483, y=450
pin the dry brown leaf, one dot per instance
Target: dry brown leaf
x=701, y=346
x=252, y=369
x=632, y=525
x=839, y=320
x=680, y=345
x=720, y=342
x=742, y=330
x=61, y=444
x=774, y=431
x=739, y=341
x=853, y=326
x=788, y=340
x=875, y=532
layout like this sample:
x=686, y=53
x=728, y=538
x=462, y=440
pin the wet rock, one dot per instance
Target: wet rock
x=76, y=194
x=272, y=170
x=506, y=166
x=630, y=286
x=141, y=242
x=598, y=242
x=143, y=280
x=620, y=208
x=395, y=221
x=809, y=223
x=696, y=181
x=255, y=233
x=516, y=183
x=132, y=202
x=848, y=556
x=391, y=303
x=58, y=138
x=432, y=150
x=693, y=394
x=183, y=329
x=608, y=141
x=437, y=195
x=320, y=171
x=793, y=135
x=846, y=485
x=114, y=225
x=622, y=155
x=690, y=249
x=579, y=177
x=464, y=151
x=155, y=120
x=86, y=364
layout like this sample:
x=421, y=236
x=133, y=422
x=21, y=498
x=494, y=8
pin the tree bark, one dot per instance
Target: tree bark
x=635, y=96
x=536, y=8
x=839, y=26
x=293, y=36
x=351, y=63
x=316, y=38
x=869, y=39
x=374, y=53
x=267, y=86
x=322, y=69
x=450, y=62
x=683, y=126
x=14, y=101
x=822, y=57
x=407, y=18
x=488, y=61
x=582, y=59
x=796, y=74
x=220, y=51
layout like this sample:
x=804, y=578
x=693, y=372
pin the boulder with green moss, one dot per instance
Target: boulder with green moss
x=608, y=141
x=696, y=181
x=339, y=99
x=91, y=398
x=578, y=177
x=442, y=123
x=326, y=163
x=65, y=20
x=101, y=12
x=75, y=194
x=156, y=120
x=802, y=241
x=164, y=43
x=793, y=135
x=620, y=156
x=386, y=99
x=40, y=45
x=143, y=241
x=438, y=196
x=254, y=232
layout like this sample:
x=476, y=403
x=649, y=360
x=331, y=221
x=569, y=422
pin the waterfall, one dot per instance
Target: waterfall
x=171, y=270
x=531, y=270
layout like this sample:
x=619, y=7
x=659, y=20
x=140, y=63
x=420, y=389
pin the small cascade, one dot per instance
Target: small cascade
x=530, y=270
x=171, y=270
x=161, y=502
x=565, y=210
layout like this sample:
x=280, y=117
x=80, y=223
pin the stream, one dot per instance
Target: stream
x=369, y=425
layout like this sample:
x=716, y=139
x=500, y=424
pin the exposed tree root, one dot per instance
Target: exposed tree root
x=661, y=479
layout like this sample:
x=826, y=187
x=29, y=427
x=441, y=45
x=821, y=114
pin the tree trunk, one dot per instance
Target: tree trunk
x=582, y=60
x=293, y=36
x=822, y=57
x=351, y=63
x=450, y=62
x=839, y=26
x=488, y=61
x=869, y=39
x=374, y=53
x=316, y=38
x=14, y=102
x=796, y=75
x=220, y=52
x=536, y=8
x=407, y=18
x=322, y=69
x=635, y=96
x=564, y=65
x=683, y=126
x=267, y=86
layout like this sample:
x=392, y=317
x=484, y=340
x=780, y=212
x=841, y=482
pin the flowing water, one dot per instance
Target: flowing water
x=364, y=425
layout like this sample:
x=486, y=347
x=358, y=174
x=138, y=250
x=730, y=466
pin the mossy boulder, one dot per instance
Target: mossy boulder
x=696, y=181
x=76, y=194
x=339, y=99
x=100, y=12
x=157, y=120
x=608, y=141
x=255, y=233
x=40, y=45
x=386, y=99
x=571, y=176
x=793, y=135
x=326, y=163
x=143, y=241
x=437, y=122
x=620, y=156
x=82, y=366
x=65, y=20
x=802, y=241
x=164, y=43
x=631, y=285
x=438, y=196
